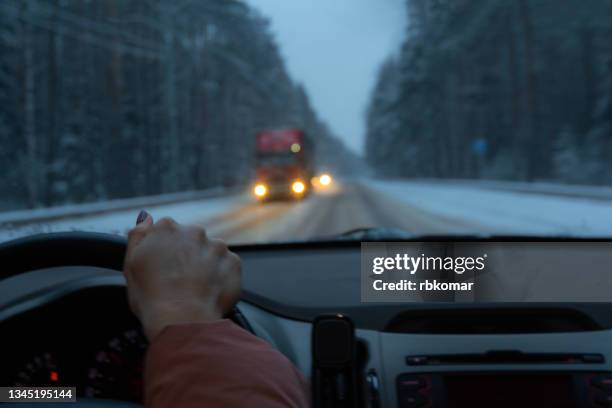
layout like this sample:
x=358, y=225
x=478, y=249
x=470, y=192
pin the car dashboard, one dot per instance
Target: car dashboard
x=84, y=339
x=71, y=326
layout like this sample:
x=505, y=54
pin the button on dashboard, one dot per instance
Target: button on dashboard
x=603, y=382
x=412, y=391
x=603, y=399
x=410, y=382
x=412, y=401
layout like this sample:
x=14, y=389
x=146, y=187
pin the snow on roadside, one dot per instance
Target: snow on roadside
x=537, y=187
x=503, y=212
x=120, y=222
x=89, y=209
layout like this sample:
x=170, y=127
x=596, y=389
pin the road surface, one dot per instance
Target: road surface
x=417, y=207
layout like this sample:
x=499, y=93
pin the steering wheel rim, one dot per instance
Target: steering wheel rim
x=76, y=248
x=40, y=251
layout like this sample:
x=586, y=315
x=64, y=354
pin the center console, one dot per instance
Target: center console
x=502, y=357
x=504, y=389
x=362, y=368
x=512, y=370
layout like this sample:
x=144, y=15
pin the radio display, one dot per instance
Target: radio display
x=509, y=390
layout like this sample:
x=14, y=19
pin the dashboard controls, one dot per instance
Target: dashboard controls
x=413, y=390
x=411, y=382
x=603, y=399
x=603, y=381
x=117, y=369
x=600, y=386
x=40, y=370
x=412, y=401
x=509, y=388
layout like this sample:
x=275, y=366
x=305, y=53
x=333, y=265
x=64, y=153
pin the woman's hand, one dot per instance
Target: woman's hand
x=176, y=274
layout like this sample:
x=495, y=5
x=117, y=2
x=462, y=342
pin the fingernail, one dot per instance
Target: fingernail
x=142, y=215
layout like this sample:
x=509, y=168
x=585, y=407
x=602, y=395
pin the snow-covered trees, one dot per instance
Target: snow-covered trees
x=498, y=89
x=107, y=98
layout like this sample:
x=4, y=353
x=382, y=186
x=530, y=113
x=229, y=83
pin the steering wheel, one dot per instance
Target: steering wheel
x=74, y=249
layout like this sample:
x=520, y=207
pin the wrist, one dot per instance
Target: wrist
x=172, y=313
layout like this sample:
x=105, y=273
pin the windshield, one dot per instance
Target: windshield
x=272, y=121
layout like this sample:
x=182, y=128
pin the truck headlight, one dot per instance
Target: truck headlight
x=260, y=190
x=298, y=187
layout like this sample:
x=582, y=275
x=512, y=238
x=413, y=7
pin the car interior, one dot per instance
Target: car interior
x=303, y=298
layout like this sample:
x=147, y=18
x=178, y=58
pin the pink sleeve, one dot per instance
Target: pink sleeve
x=218, y=364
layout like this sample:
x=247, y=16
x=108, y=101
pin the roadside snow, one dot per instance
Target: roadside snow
x=503, y=212
x=120, y=222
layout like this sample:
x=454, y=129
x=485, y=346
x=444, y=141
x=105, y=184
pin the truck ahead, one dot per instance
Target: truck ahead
x=283, y=160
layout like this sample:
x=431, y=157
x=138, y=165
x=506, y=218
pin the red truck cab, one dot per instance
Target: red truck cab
x=283, y=164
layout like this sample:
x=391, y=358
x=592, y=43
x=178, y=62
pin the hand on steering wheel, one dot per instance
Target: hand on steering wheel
x=176, y=274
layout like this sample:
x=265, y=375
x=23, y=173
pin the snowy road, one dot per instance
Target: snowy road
x=414, y=206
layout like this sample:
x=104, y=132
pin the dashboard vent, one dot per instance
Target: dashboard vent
x=491, y=321
x=507, y=357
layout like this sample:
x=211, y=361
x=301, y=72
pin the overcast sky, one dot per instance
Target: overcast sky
x=334, y=48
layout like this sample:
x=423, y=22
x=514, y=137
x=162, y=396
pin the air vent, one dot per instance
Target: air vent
x=507, y=357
